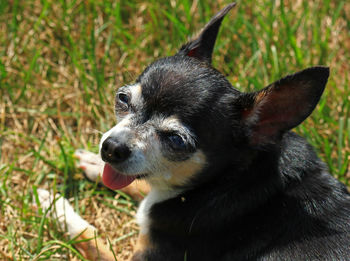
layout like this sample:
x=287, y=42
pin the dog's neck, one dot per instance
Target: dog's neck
x=156, y=195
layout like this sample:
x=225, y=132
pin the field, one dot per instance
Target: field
x=62, y=61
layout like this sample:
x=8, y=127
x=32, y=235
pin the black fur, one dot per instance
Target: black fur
x=264, y=194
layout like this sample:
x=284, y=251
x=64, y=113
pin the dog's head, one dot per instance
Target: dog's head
x=182, y=117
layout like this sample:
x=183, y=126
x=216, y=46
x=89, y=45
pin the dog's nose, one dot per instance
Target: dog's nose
x=113, y=151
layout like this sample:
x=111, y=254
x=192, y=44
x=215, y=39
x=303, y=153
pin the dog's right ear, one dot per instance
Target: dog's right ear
x=282, y=105
x=202, y=46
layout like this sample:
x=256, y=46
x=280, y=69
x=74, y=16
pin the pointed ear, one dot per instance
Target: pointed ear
x=283, y=105
x=202, y=46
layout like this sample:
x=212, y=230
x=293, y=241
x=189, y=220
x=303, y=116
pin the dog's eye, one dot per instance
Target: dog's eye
x=123, y=99
x=176, y=142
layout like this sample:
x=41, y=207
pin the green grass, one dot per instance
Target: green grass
x=61, y=61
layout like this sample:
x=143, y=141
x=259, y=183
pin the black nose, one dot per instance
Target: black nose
x=113, y=151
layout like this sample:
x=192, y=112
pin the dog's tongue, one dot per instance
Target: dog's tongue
x=114, y=180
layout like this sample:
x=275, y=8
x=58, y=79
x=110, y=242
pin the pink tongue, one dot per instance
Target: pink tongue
x=113, y=179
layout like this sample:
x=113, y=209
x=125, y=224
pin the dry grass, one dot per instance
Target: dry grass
x=61, y=61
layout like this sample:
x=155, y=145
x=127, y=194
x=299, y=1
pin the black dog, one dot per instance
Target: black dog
x=229, y=180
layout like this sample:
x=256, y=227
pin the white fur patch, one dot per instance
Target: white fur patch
x=136, y=94
x=155, y=196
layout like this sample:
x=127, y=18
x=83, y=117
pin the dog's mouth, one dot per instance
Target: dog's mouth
x=116, y=180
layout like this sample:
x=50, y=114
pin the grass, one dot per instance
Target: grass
x=61, y=61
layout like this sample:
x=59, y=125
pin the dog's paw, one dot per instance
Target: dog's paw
x=90, y=163
x=59, y=209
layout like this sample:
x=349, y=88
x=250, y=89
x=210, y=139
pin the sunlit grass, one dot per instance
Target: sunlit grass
x=61, y=62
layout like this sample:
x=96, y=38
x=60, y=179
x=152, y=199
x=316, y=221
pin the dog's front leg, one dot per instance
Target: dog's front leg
x=88, y=244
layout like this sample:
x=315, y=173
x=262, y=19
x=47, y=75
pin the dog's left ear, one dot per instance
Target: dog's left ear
x=282, y=105
x=202, y=47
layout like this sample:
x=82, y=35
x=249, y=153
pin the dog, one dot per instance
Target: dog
x=228, y=179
